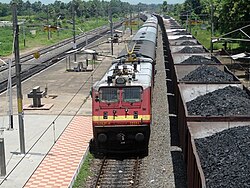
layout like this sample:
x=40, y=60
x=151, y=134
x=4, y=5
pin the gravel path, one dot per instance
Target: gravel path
x=163, y=167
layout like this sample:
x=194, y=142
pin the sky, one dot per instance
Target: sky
x=130, y=1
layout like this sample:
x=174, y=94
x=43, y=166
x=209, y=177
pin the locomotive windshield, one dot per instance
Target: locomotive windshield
x=109, y=94
x=131, y=94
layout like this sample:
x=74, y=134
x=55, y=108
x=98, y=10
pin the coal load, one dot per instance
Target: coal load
x=188, y=49
x=188, y=43
x=181, y=33
x=225, y=158
x=184, y=38
x=198, y=60
x=208, y=74
x=229, y=101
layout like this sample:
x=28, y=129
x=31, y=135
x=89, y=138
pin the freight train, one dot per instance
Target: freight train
x=121, y=100
x=212, y=111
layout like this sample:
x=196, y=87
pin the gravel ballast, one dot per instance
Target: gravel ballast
x=225, y=158
x=208, y=74
x=229, y=101
x=164, y=166
x=195, y=59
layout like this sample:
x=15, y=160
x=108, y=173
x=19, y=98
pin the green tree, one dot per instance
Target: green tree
x=165, y=6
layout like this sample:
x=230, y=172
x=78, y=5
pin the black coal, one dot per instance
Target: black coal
x=184, y=38
x=181, y=33
x=195, y=59
x=206, y=74
x=188, y=49
x=229, y=101
x=188, y=43
x=225, y=158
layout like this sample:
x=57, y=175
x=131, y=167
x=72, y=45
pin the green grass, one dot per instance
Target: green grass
x=40, y=39
x=204, y=37
x=5, y=40
x=84, y=172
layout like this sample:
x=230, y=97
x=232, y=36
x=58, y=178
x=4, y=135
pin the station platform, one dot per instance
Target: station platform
x=59, y=167
x=47, y=163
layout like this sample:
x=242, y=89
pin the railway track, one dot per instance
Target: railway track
x=49, y=56
x=118, y=173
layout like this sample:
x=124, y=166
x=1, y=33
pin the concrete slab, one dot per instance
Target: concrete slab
x=43, y=107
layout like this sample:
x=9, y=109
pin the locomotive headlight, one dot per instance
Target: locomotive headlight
x=139, y=137
x=120, y=81
x=102, y=137
x=135, y=114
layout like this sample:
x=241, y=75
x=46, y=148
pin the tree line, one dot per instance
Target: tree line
x=83, y=9
x=228, y=15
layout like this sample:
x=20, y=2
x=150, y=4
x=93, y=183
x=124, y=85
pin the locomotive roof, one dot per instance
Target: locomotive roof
x=149, y=24
x=142, y=49
x=143, y=74
x=152, y=19
x=146, y=33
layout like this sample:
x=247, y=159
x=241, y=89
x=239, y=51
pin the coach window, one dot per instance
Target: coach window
x=131, y=94
x=108, y=95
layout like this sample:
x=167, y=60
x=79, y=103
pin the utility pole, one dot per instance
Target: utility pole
x=24, y=42
x=10, y=97
x=18, y=80
x=48, y=23
x=212, y=27
x=130, y=22
x=138, y=18
x=187, y=22
x=111, y=29
x=74, y=29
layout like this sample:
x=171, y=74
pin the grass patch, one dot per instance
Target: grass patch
x=35, y=36
x=84, y=172
x=204, y=37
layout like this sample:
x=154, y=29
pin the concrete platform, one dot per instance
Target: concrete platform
x=43, y=107
x=59, y=167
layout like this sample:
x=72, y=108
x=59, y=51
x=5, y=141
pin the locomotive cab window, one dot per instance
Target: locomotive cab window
x=108, y=94
x=131, y=94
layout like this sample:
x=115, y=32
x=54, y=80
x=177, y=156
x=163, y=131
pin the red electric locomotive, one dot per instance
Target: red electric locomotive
x=121, y=100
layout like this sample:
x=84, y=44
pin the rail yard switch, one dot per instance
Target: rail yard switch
x=36, y=94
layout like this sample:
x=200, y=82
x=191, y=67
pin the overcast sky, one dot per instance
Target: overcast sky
x=130, y=1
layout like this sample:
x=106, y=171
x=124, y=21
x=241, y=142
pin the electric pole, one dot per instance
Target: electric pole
x=24, y=42
x=111, y=29
x=130, y=22
x=10, y=97
x=212, y=27
x=18, y=80
x=74, y=30
x=48, y=23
